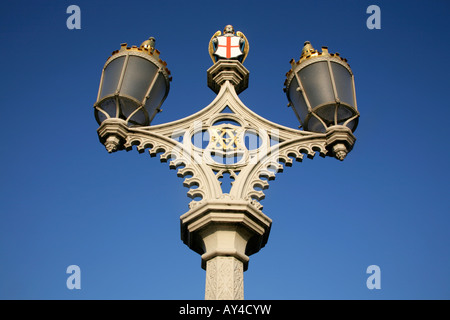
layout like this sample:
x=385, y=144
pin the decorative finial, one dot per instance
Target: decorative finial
x=307, y=49
x=112, y=143
x=149, y=44
x=340, y=151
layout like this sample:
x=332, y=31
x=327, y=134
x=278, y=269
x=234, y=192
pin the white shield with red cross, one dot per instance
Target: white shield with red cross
x=228, y=47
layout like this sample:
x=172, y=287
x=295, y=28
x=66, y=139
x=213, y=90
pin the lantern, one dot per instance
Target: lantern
x=134, y=84
x=320, y=88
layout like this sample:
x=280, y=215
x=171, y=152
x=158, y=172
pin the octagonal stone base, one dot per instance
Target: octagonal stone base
x=225, y=228
x=228, y=70
x=112, y=133
x=340, y=141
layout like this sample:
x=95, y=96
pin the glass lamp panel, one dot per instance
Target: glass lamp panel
x=111, y=76
x=326, y=113
x=315, y=125
x=100, y=116
x=156, y=95
x=138, y=76
x=344, y=113
x=351, y=125
x=344, y=83
x=109, y=106
x=139, y=118
x=317, y=84
x=127, y=107
x=297, y=99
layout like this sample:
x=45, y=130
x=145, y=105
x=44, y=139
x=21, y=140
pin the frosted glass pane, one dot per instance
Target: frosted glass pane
x=156, y=95
x=297, y=100
x=326, y=113
x=138, y=76
x=351, y=125
x=315, y=125
x=139, y=118
x=316, y=82
x=111, y=76
x=100, y=116
x=127, y=106
x=344, y=83
x=109, y=105
x=344, y=113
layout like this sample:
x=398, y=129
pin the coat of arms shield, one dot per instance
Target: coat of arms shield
x=228, y=47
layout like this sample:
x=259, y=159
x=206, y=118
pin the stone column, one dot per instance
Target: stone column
x=224, y=279
x=225, y=233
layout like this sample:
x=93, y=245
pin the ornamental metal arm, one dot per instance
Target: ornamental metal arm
x=212, y=142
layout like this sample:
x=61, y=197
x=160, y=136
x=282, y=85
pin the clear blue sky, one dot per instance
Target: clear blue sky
x=64, y=200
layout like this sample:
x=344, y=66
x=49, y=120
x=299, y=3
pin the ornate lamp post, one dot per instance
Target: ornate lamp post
x=226, y=137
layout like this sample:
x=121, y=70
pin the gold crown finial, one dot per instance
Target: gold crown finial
x=148, y=44
x=309, y=53
x=307, y=49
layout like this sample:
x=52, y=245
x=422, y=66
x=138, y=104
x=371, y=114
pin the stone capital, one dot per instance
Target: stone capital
x=228, y=70
x=225, y=228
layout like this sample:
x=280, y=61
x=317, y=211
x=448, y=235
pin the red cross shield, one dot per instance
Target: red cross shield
x=228, y=47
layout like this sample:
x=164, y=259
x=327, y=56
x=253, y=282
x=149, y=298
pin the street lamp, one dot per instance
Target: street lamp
x=134, y=84
x=321, y=89
x=225, y=228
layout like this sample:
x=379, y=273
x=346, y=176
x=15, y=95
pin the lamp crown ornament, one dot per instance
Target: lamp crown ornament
x=226, y=137
x=149, y=44
x=307, y=49
x=308, y=52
